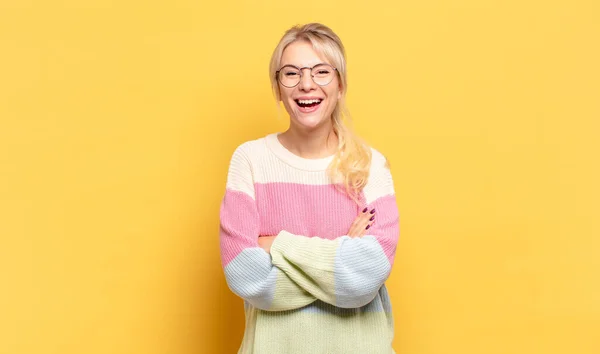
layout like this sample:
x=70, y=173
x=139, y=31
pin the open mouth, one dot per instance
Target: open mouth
x=309, y=105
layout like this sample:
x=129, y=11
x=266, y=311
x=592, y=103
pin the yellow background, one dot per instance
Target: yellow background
x=118, y=119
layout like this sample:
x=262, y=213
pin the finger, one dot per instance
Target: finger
x=354, y=228
x=364, y=230
x=358, y=231
x=367, y=223
x=363, y=216
x=357, y=224
x=366, y=219
x=361, y=222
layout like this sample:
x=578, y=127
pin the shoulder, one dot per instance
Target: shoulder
x=240, y=175
x=380, y=167
x=248, y=149
x=250, y=154
x=380, y=182
x=378, y=160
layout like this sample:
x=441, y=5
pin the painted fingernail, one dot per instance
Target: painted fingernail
x=372, y=218
x=366, y=228
x=373, y=211
x=365, y=210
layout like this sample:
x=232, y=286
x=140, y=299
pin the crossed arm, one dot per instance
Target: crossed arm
x=345, y=272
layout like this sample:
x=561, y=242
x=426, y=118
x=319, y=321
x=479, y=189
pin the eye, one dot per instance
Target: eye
x=290, y=74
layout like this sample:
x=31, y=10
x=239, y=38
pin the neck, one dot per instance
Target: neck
x=319, y=143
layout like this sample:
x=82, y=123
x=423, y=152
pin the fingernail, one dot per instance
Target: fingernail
x=366, y=228
x=373, y=211
x=372, y=218
x=365, y=210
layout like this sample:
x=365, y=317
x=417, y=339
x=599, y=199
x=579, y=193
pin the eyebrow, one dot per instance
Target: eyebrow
x=298, y=66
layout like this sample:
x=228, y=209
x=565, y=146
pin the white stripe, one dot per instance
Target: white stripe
x=380, y=179
x=253, y=162
x=239, y=176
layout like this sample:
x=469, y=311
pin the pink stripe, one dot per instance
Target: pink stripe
x=308, y=210
x=239, y=225
x=387, y=224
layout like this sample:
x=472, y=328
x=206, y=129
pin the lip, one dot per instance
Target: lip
x=308, y=98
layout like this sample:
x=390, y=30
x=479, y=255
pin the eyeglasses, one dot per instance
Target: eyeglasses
x=290, y=75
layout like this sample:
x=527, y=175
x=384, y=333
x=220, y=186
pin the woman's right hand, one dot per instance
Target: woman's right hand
x=362, y=223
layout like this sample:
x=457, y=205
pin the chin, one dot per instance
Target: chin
x=310, y=122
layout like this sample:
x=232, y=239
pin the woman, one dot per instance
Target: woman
x=309, y=221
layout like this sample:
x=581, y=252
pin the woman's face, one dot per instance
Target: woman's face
x=307, y=115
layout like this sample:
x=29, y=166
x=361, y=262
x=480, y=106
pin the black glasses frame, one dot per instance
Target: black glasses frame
x=302, y=73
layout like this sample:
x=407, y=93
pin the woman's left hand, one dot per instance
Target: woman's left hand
x=265, y=242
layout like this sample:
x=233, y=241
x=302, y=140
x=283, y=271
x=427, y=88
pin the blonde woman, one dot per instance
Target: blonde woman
x=309, y=220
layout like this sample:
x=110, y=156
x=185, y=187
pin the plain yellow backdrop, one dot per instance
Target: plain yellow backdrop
x=118, y=120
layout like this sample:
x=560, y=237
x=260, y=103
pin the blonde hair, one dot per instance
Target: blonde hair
x=351, y=163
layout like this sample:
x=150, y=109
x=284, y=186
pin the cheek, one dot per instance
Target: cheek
x=287, y=97
x=333, y=92
x=333, y=98
x=332, y=104
x=288, y=104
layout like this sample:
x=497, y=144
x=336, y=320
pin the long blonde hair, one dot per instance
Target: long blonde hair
x=351, y=163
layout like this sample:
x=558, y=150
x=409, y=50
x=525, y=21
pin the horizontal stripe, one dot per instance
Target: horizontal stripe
x=386, y=228
x=380, y=183
x=239, y=225
x=321, y=211
x=239, y=175
x=267, y=167
x=300, y=332
x=251, y=276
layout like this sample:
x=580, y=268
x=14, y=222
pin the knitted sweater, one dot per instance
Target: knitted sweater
x=319, y=291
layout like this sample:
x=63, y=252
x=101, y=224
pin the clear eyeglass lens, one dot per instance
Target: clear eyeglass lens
x=289, y=76
x=322, y=74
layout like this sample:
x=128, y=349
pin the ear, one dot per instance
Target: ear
x=340, y=91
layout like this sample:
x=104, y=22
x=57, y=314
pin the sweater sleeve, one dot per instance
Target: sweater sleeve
x=248, y=269
x=346, y=272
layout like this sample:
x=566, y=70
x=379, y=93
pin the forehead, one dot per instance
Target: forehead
x=301, y=54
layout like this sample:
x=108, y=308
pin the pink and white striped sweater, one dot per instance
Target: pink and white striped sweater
x=319, y=291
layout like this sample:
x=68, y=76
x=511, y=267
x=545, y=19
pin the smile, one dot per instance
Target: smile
x=309, y=105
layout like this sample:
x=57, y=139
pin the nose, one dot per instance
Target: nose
x=306, y=81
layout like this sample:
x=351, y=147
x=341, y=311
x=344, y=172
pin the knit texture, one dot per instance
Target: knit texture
x=319, y=291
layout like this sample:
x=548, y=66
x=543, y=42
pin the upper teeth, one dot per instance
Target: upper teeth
x=309, y=101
